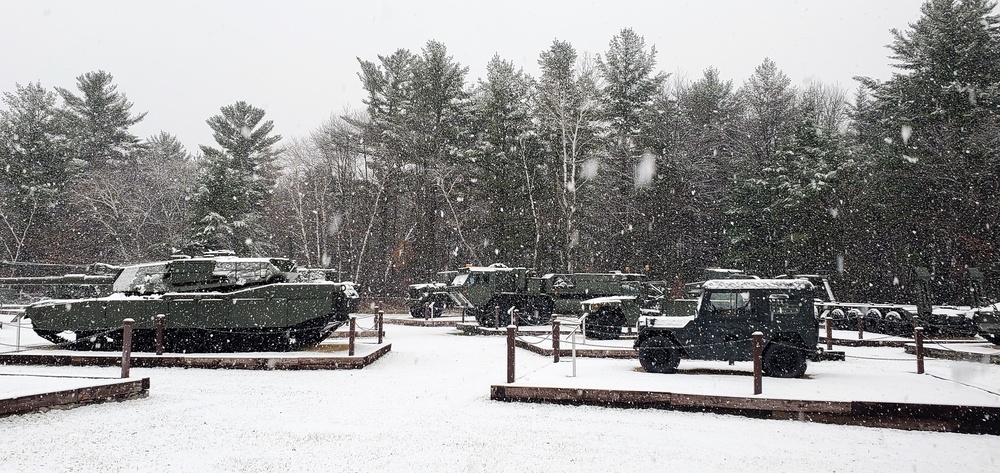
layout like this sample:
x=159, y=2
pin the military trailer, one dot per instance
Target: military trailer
x=430, y=299
x=483, y=291
x=729, y=312
x=214, y=303
x=900, y=319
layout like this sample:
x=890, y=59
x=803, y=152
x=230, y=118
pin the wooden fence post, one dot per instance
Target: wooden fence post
x=511, y=331
x=351, y=335
x=758, y=371
x=381, y=332
x=829, y=333
x=918, y=336
x=127, y=346
x=861, y=326
x=159, y=333
x=555, y=341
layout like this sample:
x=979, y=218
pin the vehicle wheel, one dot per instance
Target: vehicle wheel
x=784, y=361
x=417, y=312
x=892, y=324
x=605, y=325
x=873, y=322
x=659, y=355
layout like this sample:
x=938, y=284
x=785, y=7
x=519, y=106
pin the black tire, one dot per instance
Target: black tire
x=784, y=361
x=873, y=323
x=605, y=325
x=659, y=354
x=417, y=312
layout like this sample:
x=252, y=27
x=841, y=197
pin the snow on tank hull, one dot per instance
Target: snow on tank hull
x=269, y=317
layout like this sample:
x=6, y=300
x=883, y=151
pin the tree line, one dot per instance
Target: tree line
x=602, y=162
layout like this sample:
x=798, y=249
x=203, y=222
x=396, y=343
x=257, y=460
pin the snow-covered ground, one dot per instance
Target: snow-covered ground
x=425, y=407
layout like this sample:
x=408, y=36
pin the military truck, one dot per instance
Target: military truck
x=729, y=311
x=430, y=299
x=483, y=291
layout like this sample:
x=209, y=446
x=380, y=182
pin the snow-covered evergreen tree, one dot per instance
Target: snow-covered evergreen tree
x=236, y=181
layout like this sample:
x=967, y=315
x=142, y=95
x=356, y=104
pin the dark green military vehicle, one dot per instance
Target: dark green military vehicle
x=729, y=312
x=216, y=303
x=430, y=299
x=484, y=291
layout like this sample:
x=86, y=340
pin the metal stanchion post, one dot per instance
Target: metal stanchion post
x=573, y=344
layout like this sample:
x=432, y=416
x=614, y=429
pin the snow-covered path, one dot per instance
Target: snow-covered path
x=425, y=407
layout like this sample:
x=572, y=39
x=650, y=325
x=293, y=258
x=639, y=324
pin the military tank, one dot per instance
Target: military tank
x=214, y=303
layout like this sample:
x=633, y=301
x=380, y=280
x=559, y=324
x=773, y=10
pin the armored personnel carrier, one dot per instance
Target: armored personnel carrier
x=215, y=303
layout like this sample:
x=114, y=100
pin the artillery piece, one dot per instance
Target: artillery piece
x=214, y=303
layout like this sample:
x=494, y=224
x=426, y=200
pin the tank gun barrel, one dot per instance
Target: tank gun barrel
x=68, y=279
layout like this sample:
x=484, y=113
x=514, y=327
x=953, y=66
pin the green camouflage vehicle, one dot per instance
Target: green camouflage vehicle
x=216, y=303
x=485, y=291
x=729, y=312
x=430, y=299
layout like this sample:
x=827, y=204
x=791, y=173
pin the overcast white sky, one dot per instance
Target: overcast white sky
x=182, y=60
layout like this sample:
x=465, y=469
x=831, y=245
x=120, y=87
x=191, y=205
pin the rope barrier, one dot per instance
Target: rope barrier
x=964, y=384
x=908, y=360
x=67, y=343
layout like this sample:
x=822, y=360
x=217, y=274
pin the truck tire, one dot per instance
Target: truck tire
x=659, y=354
x=784, y=361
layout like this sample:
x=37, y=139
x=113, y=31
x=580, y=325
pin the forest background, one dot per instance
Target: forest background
x=603, y=162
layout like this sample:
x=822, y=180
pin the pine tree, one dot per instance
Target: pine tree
x=236, y=181
x=98, y=121
x=785, y=218
x=569, y=119
x=507, y=155
x=697, y=175
x=34, y=156
x=931, y=131
x=440, y=124
x=631, y=84
x=768, y=102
